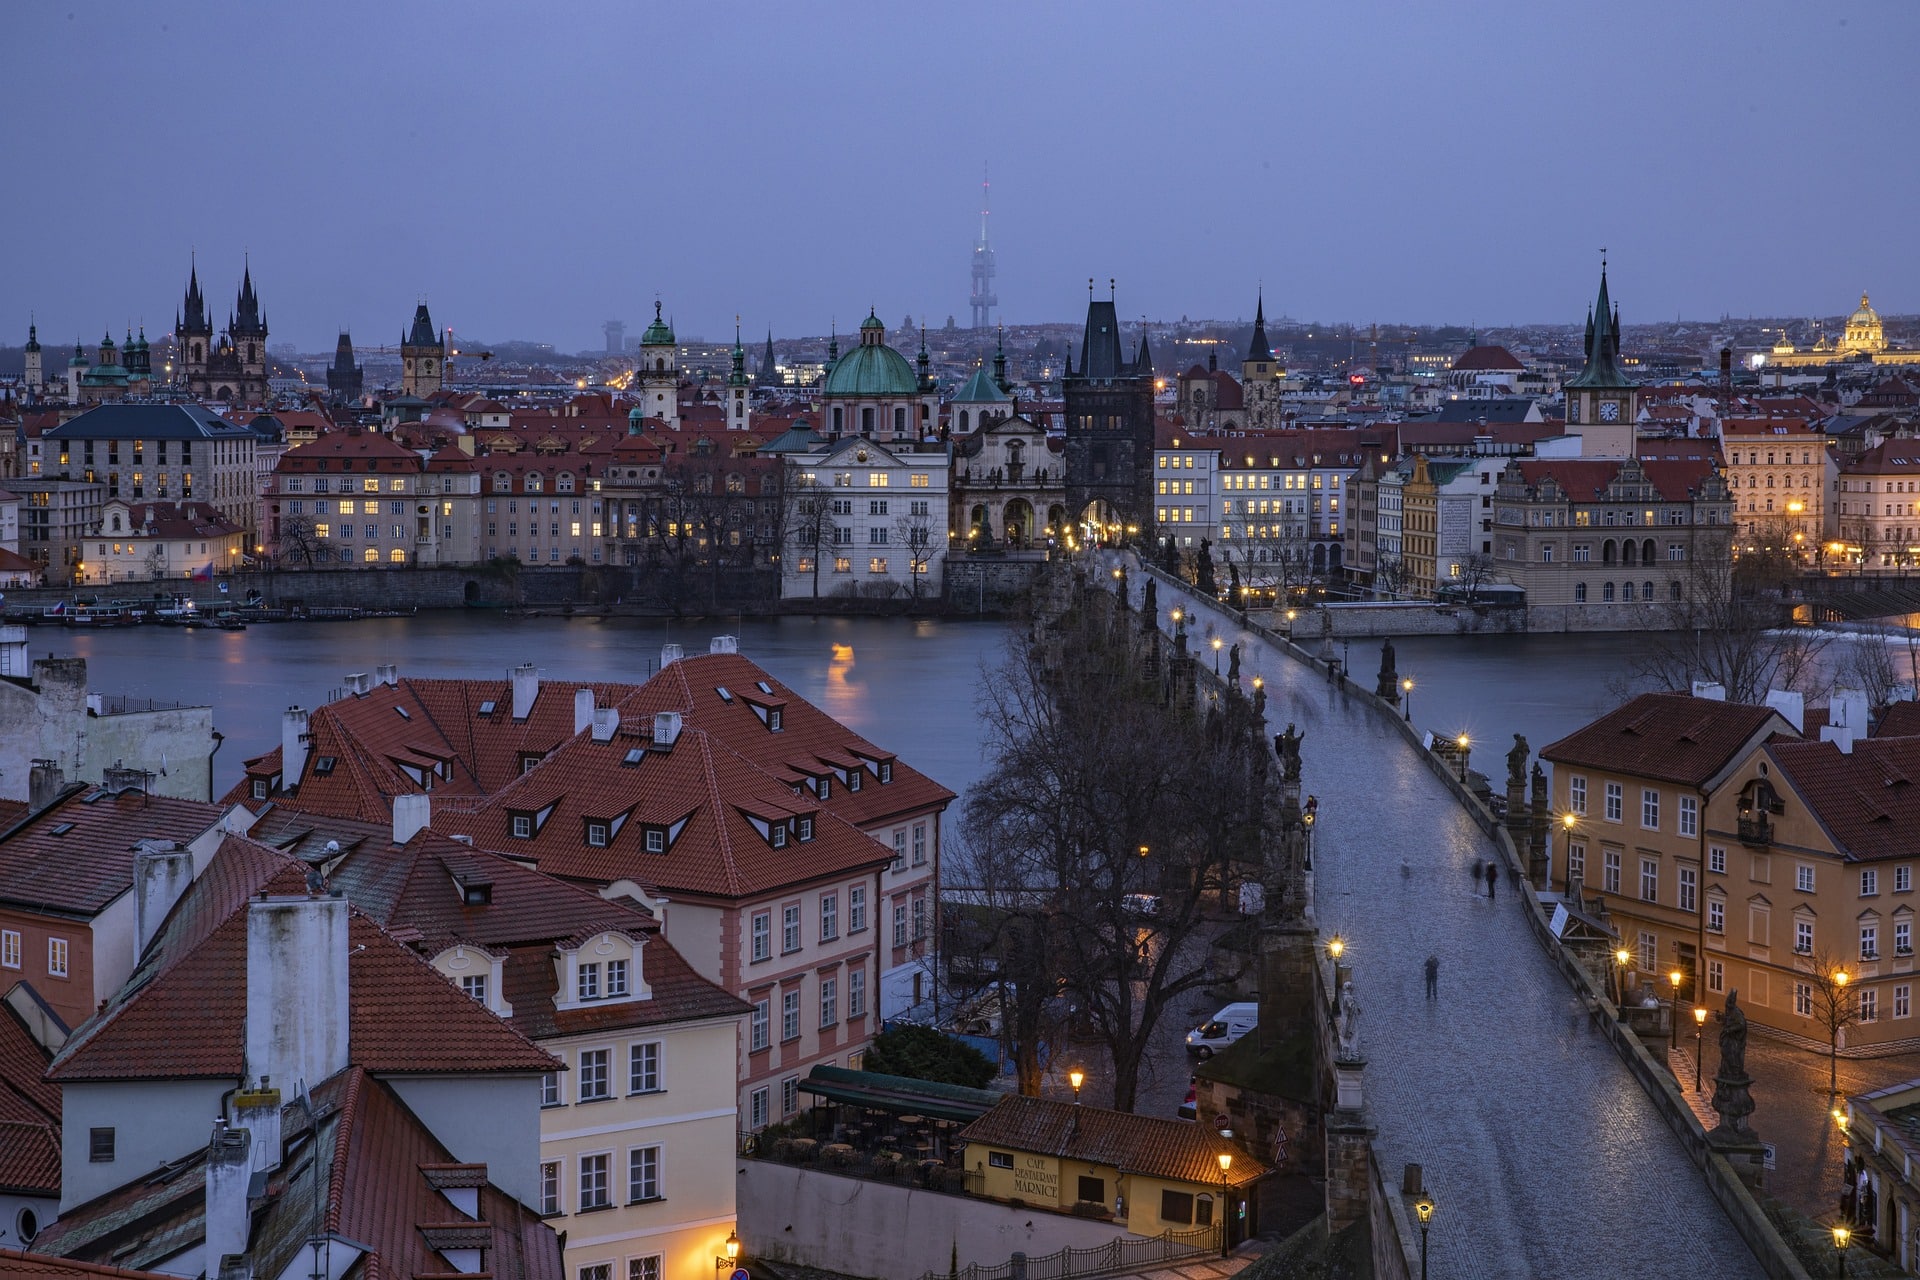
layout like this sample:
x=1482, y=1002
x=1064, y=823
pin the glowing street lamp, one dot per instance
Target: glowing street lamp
x=1841, y=1239
x=1424, y=1207
x=1226, y=1201
x=1076, y=1078
x=1336, y=945
x=1699, y=1042
x=1620, y=959
x=1216, y=655
x=1406, y=689
x=730, y=1259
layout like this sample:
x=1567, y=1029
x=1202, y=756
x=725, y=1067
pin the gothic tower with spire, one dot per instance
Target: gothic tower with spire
x=1109, y=419
x=345, y=377
x=193, y=333
x=423, y=356
x=769, y=375
x=1261, y=377
x=1603, y=404
x=248, y=329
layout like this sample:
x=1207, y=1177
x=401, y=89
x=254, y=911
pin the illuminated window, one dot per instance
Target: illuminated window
x=877, y=480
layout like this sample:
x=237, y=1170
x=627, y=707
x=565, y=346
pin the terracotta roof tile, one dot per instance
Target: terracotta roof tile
x=36, y=1266
x=76, y=855
x=1668, y=736
x=1176, y=1149
x=1867, y=799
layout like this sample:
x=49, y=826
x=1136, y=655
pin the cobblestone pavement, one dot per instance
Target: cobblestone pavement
x=1543, y=1154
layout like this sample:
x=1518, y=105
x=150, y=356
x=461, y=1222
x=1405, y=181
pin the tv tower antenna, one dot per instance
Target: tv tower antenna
x=982, y=299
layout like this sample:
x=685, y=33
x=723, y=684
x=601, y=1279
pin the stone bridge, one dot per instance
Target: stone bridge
x=1544, y=1154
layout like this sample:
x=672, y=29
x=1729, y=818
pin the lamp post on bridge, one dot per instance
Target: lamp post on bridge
x=1424, y=1207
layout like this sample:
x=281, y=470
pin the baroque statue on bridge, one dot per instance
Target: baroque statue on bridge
x=1349, y=1028
x=1287, y=746
x=1517, y=763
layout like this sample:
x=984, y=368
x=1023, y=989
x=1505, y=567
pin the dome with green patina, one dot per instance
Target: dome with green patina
x=659, y=333
x=873, y=368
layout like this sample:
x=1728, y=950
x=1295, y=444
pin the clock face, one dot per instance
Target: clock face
x=1609, y=410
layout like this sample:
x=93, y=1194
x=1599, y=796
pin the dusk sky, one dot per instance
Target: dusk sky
x=534, y=170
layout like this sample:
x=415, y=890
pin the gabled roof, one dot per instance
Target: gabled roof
x=182, y=1014
x=1178, y=1150
x=124, y=420
x=1672, y=737
x=41, y=1266
x=360, y=1168
x=1487, y=360
x=1868, y=799
x=29, y=1114
x=76, y=855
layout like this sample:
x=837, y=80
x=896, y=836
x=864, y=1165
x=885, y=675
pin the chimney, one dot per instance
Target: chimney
x=45, y=781
x=724, y=644
x=293, y=746
x=116, y=779
x=162, y=871
x=1791, y=706
x=229, y=1170
x=359, y=683
x=670, y=654
x=526, y=687
x=387, y=673
x=257, y=1111
x=666, y=729
x=297, y=989
x=582, y=709
x=1846, y=719
x=1712, y=690
x=411, y=815
x=605, y=721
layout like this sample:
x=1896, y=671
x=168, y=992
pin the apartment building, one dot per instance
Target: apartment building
x=1781, y=476
x=162, y=453
x=888, y=518
x=1879, y=508
x=1638, y=783
x=356, y=497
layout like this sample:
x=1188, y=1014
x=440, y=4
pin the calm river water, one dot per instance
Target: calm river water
x=907, y=685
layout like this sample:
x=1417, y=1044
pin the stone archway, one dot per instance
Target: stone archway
x=979, y=527
x=1056, y=520
x=1016, y=520
x=1095, y=522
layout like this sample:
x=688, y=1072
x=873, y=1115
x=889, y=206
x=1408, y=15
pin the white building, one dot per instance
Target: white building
x=887, y=533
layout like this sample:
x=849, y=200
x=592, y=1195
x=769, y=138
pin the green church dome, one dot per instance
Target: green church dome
x=873, y=368
x=658, y=334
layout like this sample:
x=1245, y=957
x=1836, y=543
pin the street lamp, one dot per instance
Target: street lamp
x=1216, y=655
x=1841, y=1239
x=1699, y=1042
x=1424, y=1207
x=1336, y=945
x=1620, y=959
x=726, y=1261
x=1226, y=1200
x=1673, y=1017
x=1076, y=1078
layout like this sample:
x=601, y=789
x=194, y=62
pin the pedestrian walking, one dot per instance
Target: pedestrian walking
x=1493, y=879
x=1433, y=977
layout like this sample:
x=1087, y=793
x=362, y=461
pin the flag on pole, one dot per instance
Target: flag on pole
x=204, y=575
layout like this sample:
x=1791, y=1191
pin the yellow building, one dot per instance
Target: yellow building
x=1420, y=512
x=1864, y=338
x=1151, y=1175
x=1637, y=784
x=1779, y=473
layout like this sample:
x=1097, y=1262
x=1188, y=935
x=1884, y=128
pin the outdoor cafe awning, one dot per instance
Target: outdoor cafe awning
x=899, y=1094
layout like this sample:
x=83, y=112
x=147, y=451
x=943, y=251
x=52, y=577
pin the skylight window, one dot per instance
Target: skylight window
x=486, y=708
x=324, y=766
x=763, y=686
x=725, y=695
x=61, y=829
x=403, y=713
x=634, y=756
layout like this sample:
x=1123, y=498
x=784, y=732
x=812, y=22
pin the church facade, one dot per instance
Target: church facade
x=230, y=366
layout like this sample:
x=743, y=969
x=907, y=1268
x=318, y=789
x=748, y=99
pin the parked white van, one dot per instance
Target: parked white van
x=1223, y=1028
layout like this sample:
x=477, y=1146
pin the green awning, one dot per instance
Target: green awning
x=900, y=1095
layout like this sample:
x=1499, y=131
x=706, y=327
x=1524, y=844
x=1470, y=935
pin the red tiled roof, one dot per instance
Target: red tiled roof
x=182, y=1014
x=1895, y=455
x=1902, y=720
x=1178, y=1150
x=1585, y=479
x=1671, y=737
x=29, y=1114
x=76, y=855
x=1768, y=428
x=1487, y=360
x=1868, y=800
x=34, y=1266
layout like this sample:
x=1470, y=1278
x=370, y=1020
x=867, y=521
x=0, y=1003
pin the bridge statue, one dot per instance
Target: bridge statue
x=1731, y=1083
x=1349, y=1028
x=1287, y=746
x=1233, y=663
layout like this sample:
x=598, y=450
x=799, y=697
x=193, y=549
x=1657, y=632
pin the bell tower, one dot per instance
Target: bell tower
x=1260, y=374
x=193, y=334
x=423, y=356
x=35, y=378
x=659, y=372
x=1603, y=404
x=737, y=400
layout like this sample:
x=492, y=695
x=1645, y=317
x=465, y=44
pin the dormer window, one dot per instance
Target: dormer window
x=616, y=978
x=259, y=788
x=477, y=894
x=804, y=828
x=773, y=719
x=886, y=771
x=853, y=779
x=597, y=834
x=587, y=982
x=522, y=826
x=823, y=787
x=474, y=986
x=656, y=840
x=777, y=835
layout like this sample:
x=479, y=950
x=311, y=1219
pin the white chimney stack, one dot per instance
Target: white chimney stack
x=297, y=959
x=162, y=871
x=670, y=654
x=359, y=683
x=605, y=721
x=257, y=1111
x=1846, y=719
x=229, y=1170
x=526, y=687
x=293, y=746
x=582, y=709
x=1791, y=706
x=1712, y=690
x=412, y=814
x=724, y=644
x=387, y=673
x=666, y=729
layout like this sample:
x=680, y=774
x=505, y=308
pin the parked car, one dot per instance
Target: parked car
x=1223, y=1028
x=1190, y=1107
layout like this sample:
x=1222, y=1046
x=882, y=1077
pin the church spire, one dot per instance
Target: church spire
x=1602, y=368
x=1258, y=348
x=1000, y=360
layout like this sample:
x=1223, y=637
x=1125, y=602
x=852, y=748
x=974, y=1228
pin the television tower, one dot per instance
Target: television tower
x=983, y=299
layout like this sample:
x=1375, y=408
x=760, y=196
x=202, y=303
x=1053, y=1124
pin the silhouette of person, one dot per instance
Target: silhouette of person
x=1433, y=977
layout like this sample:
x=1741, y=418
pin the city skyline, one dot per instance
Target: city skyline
x=718, y=163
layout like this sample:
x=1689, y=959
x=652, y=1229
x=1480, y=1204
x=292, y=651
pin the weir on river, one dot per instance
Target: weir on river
x=1543, y=1154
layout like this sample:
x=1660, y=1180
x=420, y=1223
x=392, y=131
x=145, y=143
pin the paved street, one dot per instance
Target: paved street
x=1543, y=1153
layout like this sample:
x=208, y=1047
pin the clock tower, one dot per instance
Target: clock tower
x=1603, y=405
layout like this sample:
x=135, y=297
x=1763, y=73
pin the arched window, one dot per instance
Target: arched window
x=1606, y=593
x=535, y=482
x=1673, y=591
x=373, y=555
x=900, y=420
x=1203, y=1210
x=397, y=556
x=1627, y=551
x=1646, y=557
x=1579, y=593
x=1626, y=592
x=963, y=419
x=1646, y=592
x=866, y=420
x=659, y=365
x=1606, y=553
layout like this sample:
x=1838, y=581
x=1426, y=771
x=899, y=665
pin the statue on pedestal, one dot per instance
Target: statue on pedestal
x=1233, y=663
x=1388, y=686
x=1349, y=1027
x=1287, y=747
x=1731, y=1082
x=1517, y=764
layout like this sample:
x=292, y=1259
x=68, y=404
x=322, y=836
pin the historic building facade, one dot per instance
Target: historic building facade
x=232, y=366
x=1110, y=432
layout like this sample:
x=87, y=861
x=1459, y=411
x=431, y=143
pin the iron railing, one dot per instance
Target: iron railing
x=1120, y=1253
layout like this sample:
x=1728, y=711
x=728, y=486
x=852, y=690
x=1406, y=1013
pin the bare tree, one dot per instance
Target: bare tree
x=1835, y=1007
x=1389, y=577
x=920, y=531
x=809, y=521
x=1477, y=570
x=1730, y=626
x=1868, y=665
x=298, y=542
x=1110, y=857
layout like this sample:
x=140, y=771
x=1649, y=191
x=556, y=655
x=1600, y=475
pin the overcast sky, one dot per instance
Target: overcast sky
x=534, y=170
